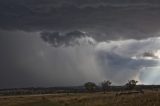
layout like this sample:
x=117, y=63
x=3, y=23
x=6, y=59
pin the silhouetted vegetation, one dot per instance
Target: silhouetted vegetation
x=105, y=85
x=131, y=85
x=90, y=86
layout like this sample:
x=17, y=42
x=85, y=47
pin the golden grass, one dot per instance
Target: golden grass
x=84, y=99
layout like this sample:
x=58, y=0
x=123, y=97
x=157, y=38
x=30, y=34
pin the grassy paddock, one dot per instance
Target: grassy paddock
x=83, y=99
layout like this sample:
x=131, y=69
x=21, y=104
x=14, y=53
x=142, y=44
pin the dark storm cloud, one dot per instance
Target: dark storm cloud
x=117, y=28
x=107, y=19
x=56, y=39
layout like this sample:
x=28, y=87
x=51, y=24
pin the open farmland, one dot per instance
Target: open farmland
x=149, y=98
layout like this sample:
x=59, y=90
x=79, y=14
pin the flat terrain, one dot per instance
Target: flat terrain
x=83, y=99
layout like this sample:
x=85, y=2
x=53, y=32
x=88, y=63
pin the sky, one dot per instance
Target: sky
x=46, y=43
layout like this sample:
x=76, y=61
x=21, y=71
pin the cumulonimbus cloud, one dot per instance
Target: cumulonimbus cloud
x=107, y=19
x=120, y=31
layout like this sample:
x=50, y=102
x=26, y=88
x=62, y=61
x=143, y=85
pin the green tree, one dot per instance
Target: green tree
x=105, y=85
x=90, y=86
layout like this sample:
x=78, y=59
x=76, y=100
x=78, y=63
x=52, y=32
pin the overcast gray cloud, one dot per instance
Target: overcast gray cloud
x=113, y=19
x=69, y=42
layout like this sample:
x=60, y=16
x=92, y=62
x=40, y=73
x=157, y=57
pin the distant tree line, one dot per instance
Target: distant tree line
x=106, y=85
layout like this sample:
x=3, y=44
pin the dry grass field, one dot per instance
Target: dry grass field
x=83, y=99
